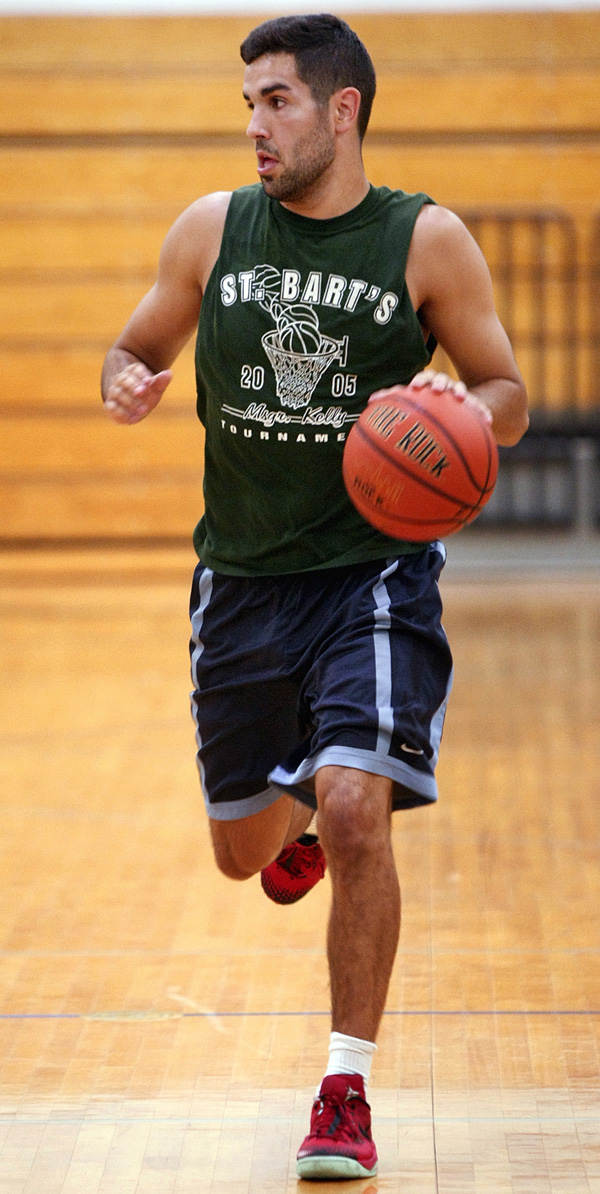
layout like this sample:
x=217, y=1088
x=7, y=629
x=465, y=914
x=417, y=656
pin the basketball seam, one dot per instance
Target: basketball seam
x=418, y=522
x=489, y=469
x=427, y=413
x=399, y=464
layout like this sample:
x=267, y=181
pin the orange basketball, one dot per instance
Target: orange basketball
x=420, y=465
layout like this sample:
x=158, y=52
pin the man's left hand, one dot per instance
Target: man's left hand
x=439, y=383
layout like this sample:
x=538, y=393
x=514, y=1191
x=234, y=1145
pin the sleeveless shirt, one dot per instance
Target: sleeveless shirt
x=301, y=321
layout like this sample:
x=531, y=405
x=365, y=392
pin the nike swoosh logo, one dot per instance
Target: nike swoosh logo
x=410, y=750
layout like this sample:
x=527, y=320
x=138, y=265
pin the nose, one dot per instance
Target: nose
x=256, y=127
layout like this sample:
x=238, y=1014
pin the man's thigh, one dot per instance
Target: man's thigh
x=244, y=701
x=243, y=847
x=377, y=687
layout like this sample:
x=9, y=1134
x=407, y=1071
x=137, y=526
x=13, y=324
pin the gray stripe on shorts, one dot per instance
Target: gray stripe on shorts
x=439, y=546
x=437, y=723
x=362, y=760
x=234, y=810
x=205, y=591
x=383, y=660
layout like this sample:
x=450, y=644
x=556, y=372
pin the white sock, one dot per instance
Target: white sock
x=350, y=1055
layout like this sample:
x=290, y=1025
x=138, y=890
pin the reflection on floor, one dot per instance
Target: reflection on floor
x=163, y=1029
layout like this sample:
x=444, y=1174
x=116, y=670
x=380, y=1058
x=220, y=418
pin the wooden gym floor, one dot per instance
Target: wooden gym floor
x=163, y=1029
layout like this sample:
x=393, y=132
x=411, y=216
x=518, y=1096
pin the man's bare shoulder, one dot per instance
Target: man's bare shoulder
x=205, y=215
x=437, y=227
x=192, y=244
x=441, y=249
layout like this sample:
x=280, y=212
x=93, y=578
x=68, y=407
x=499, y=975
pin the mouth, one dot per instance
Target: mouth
x=266, y=162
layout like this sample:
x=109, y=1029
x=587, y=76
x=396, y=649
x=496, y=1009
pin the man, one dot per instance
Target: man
x=321, y=670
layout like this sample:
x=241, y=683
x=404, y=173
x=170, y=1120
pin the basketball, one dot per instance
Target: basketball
x=420, y=465
x=267, y=284
x=302, y=313
x=301, y=337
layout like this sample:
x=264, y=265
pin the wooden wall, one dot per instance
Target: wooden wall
x=109, y=127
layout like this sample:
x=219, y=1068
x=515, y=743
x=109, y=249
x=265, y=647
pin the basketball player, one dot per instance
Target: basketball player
x=320, y=666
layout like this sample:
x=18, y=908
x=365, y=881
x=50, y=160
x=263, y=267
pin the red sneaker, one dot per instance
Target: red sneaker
x=339, y=1144
x=293, y=872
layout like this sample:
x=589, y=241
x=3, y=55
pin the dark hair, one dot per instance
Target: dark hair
x=328, y=54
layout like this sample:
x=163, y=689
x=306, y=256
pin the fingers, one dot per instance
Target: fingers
x=439, y=383
x=135, y=392
x=127, y=400
x=434, y=381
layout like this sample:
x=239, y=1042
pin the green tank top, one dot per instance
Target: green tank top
x=301, y=321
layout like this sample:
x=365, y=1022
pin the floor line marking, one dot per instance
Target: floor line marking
x=92, y=1121
x=278, y=951
x=149, y=1014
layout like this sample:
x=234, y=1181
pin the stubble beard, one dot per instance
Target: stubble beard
x=314, y=154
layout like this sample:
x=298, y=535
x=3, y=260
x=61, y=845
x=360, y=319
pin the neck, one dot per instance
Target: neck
x=332, y=195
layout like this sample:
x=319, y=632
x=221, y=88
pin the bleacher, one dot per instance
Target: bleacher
x=546, y=283
x=110, y=126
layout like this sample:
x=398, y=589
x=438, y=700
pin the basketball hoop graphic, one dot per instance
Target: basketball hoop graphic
x=298, y=373
x=297, y=351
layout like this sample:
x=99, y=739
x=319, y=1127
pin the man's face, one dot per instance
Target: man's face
x=294, y=137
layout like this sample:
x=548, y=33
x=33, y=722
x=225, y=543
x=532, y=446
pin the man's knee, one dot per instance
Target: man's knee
x=242, y=848
x=228, y=851
x=354, y=811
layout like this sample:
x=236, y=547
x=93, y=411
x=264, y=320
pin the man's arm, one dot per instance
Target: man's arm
x=136, y=369
x=450, y=286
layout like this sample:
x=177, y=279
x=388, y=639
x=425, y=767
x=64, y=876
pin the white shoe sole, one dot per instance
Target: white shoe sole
x=332, y=1167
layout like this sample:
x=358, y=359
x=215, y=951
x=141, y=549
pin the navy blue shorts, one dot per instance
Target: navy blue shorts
x=346, y=666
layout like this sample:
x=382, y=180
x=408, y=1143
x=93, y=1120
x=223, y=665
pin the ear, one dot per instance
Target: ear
x=346, y=105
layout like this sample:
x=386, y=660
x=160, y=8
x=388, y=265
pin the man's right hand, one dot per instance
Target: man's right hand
x=134, y=392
